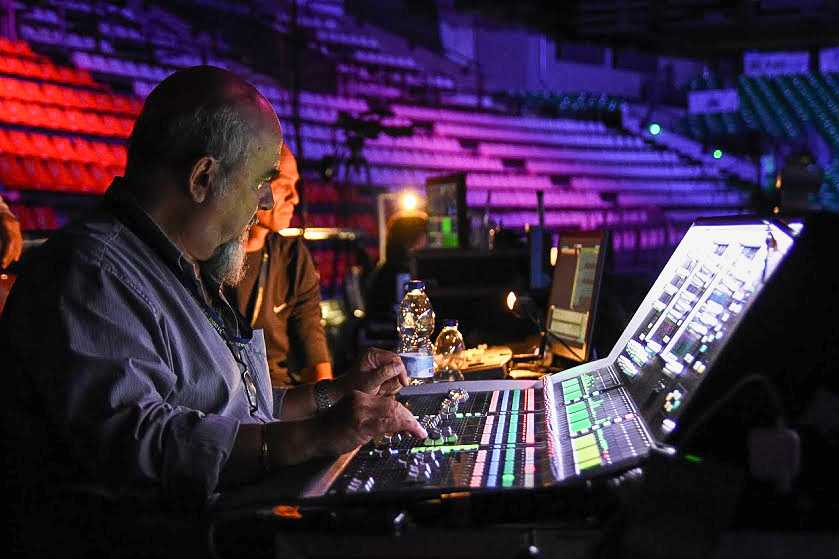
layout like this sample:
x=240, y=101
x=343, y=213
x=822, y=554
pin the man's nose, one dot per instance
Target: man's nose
x=266, y=199
x=293, y=197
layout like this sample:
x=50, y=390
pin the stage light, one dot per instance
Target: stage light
x=408, y=201
x=554, y=255
x=717, y=153
x=655, y=129
x=511, y=300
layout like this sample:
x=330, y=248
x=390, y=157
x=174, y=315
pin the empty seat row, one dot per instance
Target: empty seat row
x=550, y=137
x=701, y=200
x=641, y=155
x=348, y=39
x=48, y=93
x=517, y=199
x=43, y=70
x=430, y=160
x=17, y=48
x=572, y=218
x=497, y=120
x=671, y=185
x=626, y=170
x=52, y=36
x=66, y=148
x=119, y=67
x=33, y=173
x=70, y=120
x=37, y=218
x=382, y=59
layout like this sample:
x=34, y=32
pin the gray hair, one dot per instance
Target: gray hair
x=220, y=131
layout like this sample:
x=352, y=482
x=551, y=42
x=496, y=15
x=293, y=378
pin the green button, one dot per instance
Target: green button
x=516, y=399
x=569, y=383
x=574, y=408
x=459, y=415
x=509, y=468
x=580, y=426
x=586, y=454
x=577, y=416
x=583, y=442
x=451, y=439
x=507, y=480
x=593, y=463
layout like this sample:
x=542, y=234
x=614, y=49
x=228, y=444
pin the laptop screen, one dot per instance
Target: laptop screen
x=573, y=298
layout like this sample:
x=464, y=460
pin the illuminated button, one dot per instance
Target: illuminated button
x=668, y=425
x=516, y=400
x=530, y=468
x=493, y=403
x=529, y=455
x=529, y=480
x=583, y=442
x=531, y=397
x=451, y=438
x=593, y=463
x=586, y=454
x=475, y=482
x=481, y=457
x=459, y=415
x=505, y=401
x=581, y=425
x=531, y=431
x=578, y=416
x=507, y=480
x=573, y=408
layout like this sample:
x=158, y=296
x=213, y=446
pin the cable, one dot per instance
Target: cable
x=576, y=355
x=771, y=391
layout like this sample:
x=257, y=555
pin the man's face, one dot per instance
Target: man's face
x=247, y=191
x=284, y=189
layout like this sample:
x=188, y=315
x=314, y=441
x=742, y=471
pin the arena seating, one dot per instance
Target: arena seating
x=63, y=131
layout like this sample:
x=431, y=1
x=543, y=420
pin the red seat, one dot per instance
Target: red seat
x=6, y=144
x=64, y=148
x=84, y=150
x=58, y=177
x=40, y=178
x=12, y=172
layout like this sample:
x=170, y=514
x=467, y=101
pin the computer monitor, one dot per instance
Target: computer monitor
x=448, y=225
x=573, y=298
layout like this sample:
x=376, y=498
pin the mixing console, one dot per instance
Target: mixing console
x=501, y=439
x=486, y=439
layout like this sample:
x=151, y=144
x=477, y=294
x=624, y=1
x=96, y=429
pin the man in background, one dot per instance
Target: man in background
x=280, y=291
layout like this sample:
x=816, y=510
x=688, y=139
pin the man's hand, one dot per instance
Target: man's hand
x=11, y=241
x=359, y=417
x=379, y=372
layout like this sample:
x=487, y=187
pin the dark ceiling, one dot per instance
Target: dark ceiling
x=685, y=27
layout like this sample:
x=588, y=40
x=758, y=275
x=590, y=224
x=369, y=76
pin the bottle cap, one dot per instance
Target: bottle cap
x=450, y=322
x=415, y=284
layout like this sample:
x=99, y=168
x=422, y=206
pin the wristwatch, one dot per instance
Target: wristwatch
x=323, y=399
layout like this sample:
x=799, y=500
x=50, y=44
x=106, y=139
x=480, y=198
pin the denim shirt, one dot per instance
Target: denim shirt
x=120, y=380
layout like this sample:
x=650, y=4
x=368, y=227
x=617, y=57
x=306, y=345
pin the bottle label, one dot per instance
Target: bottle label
x=418, y=365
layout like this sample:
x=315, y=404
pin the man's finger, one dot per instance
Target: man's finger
x=376, y=358
x=403, y=421
x=390, y=387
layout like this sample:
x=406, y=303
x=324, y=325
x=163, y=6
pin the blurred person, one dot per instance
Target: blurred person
x=134, y=391
x=280, y=290
x=407, y=231
x=11, y=240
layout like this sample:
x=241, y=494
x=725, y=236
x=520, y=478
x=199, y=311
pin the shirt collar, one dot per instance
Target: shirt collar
x=129, y=211
x=123, y=202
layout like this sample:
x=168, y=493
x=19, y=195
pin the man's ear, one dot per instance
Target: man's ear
x=202, y=175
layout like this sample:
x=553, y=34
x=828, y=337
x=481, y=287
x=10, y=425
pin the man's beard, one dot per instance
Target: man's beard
x=227, y=264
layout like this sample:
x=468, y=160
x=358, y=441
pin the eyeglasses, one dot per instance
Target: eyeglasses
x=247, y=379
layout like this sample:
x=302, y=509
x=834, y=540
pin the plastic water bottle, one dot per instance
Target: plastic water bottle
x=448, y=353
x=415, y=323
